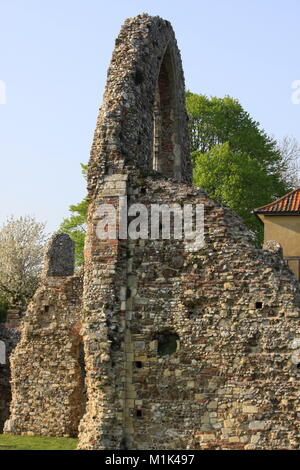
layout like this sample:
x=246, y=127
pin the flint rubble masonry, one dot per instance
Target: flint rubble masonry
x=230, y=383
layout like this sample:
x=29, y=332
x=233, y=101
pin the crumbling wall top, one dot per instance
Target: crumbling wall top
x=142, y=122
x=59, y=256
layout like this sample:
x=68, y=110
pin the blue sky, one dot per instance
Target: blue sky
x=54, y=56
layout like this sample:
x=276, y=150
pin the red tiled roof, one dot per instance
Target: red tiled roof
x=290, y=203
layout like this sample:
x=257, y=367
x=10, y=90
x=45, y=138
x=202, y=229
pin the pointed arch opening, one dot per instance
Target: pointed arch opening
x=166, y=151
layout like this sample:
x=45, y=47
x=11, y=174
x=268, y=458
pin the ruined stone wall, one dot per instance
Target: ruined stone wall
x=234, y=377
x=145, y=63
x=233, y=380
x=184, y=349
x=9, y=338
x=13, y=318
x=47, y=383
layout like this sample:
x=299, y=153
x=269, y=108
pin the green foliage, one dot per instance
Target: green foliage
x=75, y=227
x=214, y=121
x=11, y=442
x=234, y=160
x=84, y=169
x=235, y=179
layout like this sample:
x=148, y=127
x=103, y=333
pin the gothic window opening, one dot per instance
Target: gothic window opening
x=166, y=155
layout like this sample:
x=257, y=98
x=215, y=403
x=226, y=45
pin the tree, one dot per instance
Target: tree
x=214, y=121
x=234, y=160
x=289, y=149
x=235, y=179
x=75, y=225
x=22, y=244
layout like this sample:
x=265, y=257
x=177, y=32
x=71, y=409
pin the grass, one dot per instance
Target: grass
x=11, y=442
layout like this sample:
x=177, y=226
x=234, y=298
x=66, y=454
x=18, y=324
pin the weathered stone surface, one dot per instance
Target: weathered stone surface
x=47, y=380
x=273, y=245
x=233, y=307
x=230, y=305
x=231, y=377
x=13, y=318
x=59, y=256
